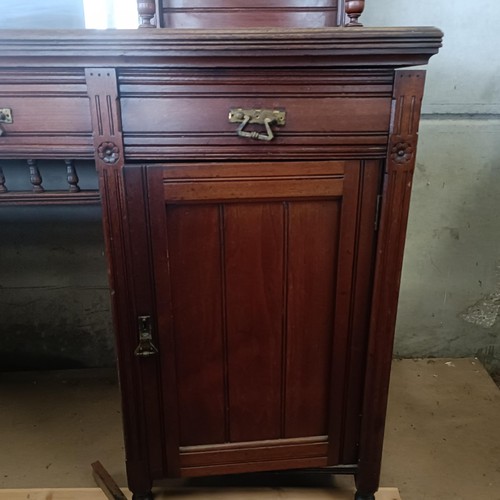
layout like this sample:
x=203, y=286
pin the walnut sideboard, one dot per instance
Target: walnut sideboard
x=255, y=188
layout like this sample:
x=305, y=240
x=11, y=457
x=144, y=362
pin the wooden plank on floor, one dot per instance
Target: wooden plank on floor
x=196, y=493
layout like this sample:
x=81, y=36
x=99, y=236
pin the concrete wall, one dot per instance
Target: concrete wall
x=450, y=294
x=53, y=298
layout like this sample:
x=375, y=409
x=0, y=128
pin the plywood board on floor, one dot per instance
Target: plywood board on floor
x=195, y=493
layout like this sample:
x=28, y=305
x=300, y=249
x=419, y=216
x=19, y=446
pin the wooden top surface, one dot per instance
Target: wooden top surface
x=346, y=47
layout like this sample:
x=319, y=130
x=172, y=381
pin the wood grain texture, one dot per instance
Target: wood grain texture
x=238, y=302
x=388, y=48
x=198, y=321
x=313, y=232
x=254, y=267
x=408, y=91
x=216, y=14
x=51, y=115
x=271, y=294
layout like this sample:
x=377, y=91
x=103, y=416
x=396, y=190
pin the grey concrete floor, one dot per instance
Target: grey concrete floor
x=442, y=438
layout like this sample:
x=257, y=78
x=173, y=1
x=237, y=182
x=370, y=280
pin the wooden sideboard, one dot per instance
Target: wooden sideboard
x=255, y=187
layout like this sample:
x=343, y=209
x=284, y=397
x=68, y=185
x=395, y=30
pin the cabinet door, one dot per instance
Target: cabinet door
x=262, y=274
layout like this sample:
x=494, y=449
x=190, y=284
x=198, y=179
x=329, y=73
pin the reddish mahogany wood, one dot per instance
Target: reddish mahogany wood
x=51, y=116
x=408, y=91
x=271, y=293
x=312, y=252
x=197, y=308
x=254, y=297
x=361, y=292
x=216, y=14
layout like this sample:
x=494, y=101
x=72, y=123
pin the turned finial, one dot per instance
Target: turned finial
x=147, y=10
x=354, y=8
x=35, y=177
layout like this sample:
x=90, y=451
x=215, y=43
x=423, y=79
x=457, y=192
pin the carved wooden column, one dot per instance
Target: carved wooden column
x=354, y=9
x=407, y=98
x=72, y=176
x=147, y=11
x=35, y=177
x=139, y=380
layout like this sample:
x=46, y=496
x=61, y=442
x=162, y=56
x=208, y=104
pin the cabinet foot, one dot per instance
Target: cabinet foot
x=142, y=496
x=359, y=496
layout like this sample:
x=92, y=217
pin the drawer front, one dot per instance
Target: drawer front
x=174, y=115
x=50, y=115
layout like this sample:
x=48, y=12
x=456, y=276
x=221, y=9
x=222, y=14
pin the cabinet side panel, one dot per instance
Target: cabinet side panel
x=195, y=271
x=364, y=259
x=312, y=258
x=254, y=282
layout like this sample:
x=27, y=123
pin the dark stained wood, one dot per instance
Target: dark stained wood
x=312, y=248
x=103, y=94
x=51, y=116
x=362, y=285
x=200, y=456
x=254, y=297
x=354, y=9
x=72, y=176
x=217, y=14
x=270, y=287
x=369, y=48
x=50, y=198
x=35, y=177
x=241, y=468
x=194, y=249
x=408, y=91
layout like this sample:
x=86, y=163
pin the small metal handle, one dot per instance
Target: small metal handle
x=5, y=117
x=264, y=117
x=146, y=347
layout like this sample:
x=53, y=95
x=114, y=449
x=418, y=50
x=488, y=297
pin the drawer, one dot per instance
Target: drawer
x=50, y=115
x=188, y=115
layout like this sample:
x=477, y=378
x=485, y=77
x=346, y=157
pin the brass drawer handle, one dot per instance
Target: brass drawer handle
x=5, y=117
x=265, y=117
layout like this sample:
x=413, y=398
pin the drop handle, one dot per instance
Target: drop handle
x=146, y=347
x=5, y=117
x=266, y=117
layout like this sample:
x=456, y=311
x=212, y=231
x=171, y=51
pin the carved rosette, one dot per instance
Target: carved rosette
x=402, y=152
x=108, y=152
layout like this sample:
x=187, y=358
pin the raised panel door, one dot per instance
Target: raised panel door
x=254, y=266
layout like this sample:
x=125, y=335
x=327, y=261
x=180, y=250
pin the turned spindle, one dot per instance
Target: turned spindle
x=35, y=177
x=146, y=10
x=3, y=187
x=353, y=9
x=72, y=176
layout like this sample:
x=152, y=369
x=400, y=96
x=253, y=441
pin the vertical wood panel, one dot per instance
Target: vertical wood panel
x=362, y=288
x=408, y=91
x=343, y=303
x=313, y=243
x=195, y=271
x=254, y=257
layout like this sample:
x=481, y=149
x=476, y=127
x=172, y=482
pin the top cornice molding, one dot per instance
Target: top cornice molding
x=332, y=47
